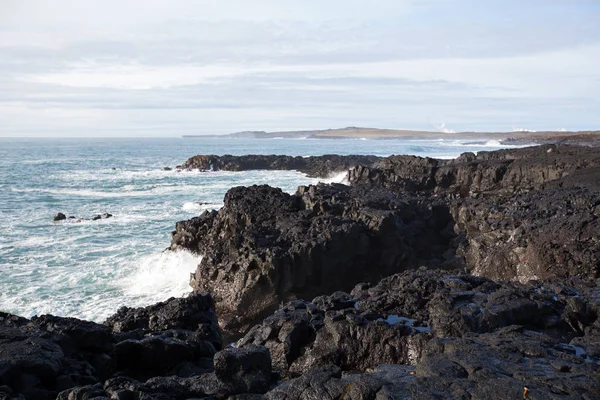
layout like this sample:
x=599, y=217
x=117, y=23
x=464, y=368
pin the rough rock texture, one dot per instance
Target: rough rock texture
x=45, y=355
x=535, y=235
x=502, y=171
x=317, y=166
x=265, y=247
x=516, y=214
x=417, y=335
x=391, y=322
x=520, y=214
x=237, y=372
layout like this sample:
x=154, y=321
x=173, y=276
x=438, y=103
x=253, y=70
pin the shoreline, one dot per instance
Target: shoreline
x=484, y=226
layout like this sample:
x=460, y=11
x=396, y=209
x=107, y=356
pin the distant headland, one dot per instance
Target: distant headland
x=353, y=132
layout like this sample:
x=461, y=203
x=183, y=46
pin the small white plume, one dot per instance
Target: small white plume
x=442, y=128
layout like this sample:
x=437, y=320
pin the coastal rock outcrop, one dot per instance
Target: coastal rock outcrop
x=265, y=246
x=520, y=214
x=505, y=171
x=316, y=166
x=515, y=214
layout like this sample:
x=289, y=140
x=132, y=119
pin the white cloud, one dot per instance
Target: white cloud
x=165, y=68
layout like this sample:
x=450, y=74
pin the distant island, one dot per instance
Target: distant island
x=353, y=132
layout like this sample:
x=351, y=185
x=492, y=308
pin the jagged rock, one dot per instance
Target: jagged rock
x=502, y=171
x=317, y=166
x=189, y=234
x=176, y=337
x=391, y=322
x=265, y=247
x=238, y=372
x=48, y=354
x=536, y=235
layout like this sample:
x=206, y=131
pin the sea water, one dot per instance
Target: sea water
x=88, y=269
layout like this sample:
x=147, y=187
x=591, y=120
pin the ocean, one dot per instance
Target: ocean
x=88, y=269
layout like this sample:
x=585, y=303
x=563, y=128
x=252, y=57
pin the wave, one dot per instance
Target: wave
x=128, y=191
x=158, y=277
x=196, y=207
x=340, y=177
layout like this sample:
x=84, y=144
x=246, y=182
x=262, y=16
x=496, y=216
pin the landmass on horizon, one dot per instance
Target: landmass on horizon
x=353, y=132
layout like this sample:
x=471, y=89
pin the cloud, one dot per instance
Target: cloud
x=160, y=68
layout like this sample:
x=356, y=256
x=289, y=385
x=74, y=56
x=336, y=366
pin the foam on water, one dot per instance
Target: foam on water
x=340, y=177
x=157, y=277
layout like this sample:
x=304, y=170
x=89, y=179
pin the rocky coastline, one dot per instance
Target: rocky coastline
x=315, y=166
x=471, y=278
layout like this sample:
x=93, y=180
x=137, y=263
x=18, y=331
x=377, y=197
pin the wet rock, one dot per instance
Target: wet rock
x=317, y=166
x=60, y=217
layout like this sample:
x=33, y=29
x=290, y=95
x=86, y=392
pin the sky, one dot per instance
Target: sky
x=170, y=68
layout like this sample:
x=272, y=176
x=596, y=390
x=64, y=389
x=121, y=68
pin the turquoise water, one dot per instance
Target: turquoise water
x=89, y=269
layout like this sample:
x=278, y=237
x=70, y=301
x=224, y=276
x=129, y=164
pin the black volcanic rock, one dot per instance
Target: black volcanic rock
x=503, y=171
x=176, y=337
x=317, y=166
x=265, y=246
x=535, y=235
x=60, y=217
x=392, y=322
x=48, y=354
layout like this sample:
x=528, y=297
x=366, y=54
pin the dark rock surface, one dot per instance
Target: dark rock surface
x=417, y=335
x=503, y=171
x=520, y=214
x=317, y=166
x=391, y=322
x=265, y=247
x=535, y=235
x=60, y=217
x=516, y=214
x=45, y=355
x=420, y=334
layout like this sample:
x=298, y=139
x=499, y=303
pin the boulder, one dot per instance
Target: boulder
x=60, y=217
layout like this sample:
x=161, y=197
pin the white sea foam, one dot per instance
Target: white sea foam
x=196, y=207
x=340, y=177
x=158, y=277
x=128, y=192
x=493, y=143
